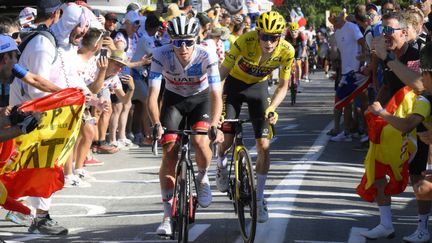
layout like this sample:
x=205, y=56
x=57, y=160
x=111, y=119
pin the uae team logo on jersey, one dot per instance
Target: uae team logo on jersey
x=350, y=85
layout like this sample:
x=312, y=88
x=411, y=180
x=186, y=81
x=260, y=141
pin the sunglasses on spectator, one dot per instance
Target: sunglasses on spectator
x=372, y=15
x=388, y=10
x=267, y=37
x=15, y=35
x=390, y=30
x=180, y=43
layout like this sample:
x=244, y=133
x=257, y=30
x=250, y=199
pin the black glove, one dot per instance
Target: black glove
x=29, y=124
x=16, y=116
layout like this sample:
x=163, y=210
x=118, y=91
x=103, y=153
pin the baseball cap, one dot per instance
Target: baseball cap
x=7, y=44
x=374, y=7
x=111, y=16
x=27, y=16
x=132, y=16
x=49, y=6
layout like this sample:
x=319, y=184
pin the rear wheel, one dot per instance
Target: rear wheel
x=183, y=205
x=245, y=196
x=293, y=90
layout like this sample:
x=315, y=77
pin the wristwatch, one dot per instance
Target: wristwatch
x=390, y=57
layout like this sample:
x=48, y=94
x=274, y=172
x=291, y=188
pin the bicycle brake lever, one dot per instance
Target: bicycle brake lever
x=155, y=142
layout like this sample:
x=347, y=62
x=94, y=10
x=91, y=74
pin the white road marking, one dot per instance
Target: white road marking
x=125, y=170
x=290, y=127
x=197, y=230
x=129, y=181
x=315, y=241
x=139, y=241
x=355, y=236
x=122, y=197
x=275, y=228
x=346, y=213
x=31, y=237
x=91, y=209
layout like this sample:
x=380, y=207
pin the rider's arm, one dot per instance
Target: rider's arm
x=284, y=78
x=215, y=90
x=155, y=80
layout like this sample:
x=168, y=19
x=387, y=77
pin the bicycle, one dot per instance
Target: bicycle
x=185, y=201
x=241, y=188
x=293, y=85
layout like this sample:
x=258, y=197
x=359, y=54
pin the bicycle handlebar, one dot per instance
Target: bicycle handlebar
x=179, y=132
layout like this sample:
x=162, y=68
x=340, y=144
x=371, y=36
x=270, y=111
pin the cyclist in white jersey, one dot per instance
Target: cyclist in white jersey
x=193, y=91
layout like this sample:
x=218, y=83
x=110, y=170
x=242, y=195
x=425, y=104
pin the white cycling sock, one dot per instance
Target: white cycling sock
x=423, y=222
x=386, y=216
x=222, y=161
x=202, y=176
x=167, y=196
x=261, y=180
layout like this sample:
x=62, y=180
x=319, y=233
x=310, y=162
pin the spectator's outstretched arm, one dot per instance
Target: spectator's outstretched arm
x=34, y=80
x=409, y=77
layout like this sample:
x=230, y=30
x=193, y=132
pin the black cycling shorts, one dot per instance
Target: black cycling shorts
x=255, y=95
x=418, y=164
x=196, y=109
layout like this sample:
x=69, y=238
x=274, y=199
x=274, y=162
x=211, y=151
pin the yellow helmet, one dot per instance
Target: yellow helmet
x=271, y=22
x=293, y=26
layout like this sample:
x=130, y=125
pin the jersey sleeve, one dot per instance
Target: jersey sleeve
x=357, y=34
x=422, y=107
x=213, y=72
x=287, y=60
x=155, y=75
x=233, y=53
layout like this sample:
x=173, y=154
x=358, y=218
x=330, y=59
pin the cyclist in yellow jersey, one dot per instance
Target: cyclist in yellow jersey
x=247, y=67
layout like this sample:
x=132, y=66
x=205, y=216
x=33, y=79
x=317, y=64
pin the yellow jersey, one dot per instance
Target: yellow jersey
x=244, y=56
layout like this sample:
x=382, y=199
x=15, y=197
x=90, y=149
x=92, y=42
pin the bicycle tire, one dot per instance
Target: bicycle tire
x=245, y=198
x=183, y=215
x=293, y=96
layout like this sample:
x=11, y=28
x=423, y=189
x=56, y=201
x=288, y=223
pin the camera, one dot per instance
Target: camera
x=103, y=53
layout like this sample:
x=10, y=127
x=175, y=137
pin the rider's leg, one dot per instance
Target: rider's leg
x=262, y=165
x=223, y=149
x=298, y=71
x=166, y=175
x=203, y=155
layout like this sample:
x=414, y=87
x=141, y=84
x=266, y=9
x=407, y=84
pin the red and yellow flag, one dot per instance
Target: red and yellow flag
x=35, y=166
x=389, y=151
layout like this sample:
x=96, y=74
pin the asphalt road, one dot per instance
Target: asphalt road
x=310, y=190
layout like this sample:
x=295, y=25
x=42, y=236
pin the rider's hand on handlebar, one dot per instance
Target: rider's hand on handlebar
x=271, y=115
x=215, y=135
x=157, y=131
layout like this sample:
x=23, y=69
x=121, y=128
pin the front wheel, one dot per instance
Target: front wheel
x=183, y=214
x=245, y=195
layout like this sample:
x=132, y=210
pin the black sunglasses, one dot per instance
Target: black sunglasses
x=15, y=35
x=267, y=37
x=389, y=30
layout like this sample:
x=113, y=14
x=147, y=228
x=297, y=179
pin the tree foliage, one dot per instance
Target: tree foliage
x=314, y=11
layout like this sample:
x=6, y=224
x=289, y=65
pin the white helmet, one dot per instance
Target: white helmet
x=183, y=27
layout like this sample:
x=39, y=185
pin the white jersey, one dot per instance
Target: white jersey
x=201, y=73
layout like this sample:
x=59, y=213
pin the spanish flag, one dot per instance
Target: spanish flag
x=390, y=151
x=33, y=162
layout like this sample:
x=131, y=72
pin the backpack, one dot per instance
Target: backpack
x=28, y=36
x=125, y=35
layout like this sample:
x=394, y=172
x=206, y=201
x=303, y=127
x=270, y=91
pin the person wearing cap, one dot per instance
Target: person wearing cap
x=8, y=59
x=205, y=23
x=48, y=12
x=215, y=44
x=110, y=22
x=135, y=6
x=125, y=39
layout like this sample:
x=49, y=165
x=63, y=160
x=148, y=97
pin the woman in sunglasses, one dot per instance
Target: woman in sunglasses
x=247, y=67
x=193, y=91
